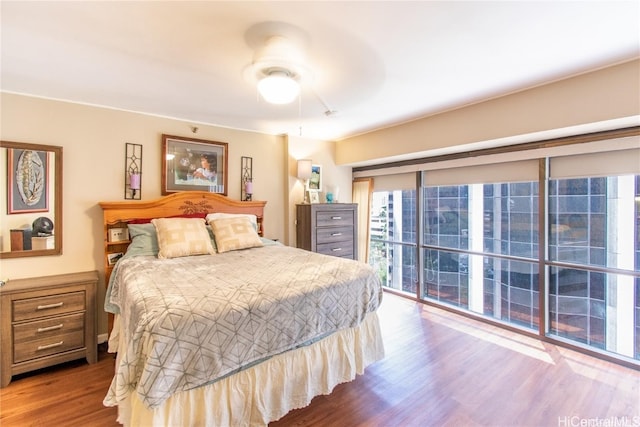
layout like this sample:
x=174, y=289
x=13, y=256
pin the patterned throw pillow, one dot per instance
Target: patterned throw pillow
x=219, y=215
x=234, y=233
x=179, y=237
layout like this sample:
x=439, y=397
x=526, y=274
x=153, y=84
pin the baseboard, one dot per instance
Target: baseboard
x=103, y=338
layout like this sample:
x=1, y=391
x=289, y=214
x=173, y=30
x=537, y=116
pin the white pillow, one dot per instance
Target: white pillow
x=178, y=237
x=217, y=215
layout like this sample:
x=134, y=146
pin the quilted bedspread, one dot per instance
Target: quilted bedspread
x=189, y=321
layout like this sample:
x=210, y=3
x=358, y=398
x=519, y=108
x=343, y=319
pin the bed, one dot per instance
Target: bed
x=216, y=325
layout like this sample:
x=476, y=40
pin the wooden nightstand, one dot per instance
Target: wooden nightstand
x=46, y=321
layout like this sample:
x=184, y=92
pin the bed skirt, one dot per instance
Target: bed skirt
x=267, y=391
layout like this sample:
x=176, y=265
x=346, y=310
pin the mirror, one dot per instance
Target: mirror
x=31, y=213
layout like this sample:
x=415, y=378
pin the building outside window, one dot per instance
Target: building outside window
x=481, y=247
x=594, y=226
x=393, y=239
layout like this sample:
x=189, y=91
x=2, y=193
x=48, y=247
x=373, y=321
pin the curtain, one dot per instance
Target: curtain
x=361, y=194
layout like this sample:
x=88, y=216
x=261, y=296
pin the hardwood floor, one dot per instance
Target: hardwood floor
x=440, y=369
x=69, y=394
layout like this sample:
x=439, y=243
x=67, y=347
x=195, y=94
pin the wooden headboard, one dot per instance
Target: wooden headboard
x=182, y=203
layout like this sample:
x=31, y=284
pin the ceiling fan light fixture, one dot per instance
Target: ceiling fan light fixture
x=279, y=87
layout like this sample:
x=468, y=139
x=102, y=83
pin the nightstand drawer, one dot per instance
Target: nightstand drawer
x=47, y=346
x=48, y=329
x=34, y=308
x=334, y=218
x=334, y=234
x=339, y=249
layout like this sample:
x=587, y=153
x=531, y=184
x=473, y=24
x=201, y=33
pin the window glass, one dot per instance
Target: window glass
x=446, y=217
x=480, y=245
x=596, y=309
x=446, y=277
x=464, y=225
x=392, y=250
x=510, y=219
x=594, y=221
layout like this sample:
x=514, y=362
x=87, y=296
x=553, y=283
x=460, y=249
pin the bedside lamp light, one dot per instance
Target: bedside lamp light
x=304, y=173
x=304, y=169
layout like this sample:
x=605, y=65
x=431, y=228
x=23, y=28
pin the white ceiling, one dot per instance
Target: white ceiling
x=374, y=63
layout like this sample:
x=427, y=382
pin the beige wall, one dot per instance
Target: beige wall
x=600, y=96
x=93, y=141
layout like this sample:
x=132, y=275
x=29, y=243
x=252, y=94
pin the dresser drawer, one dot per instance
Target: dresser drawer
x=34, y=308
x=334, y=234
x=339, y=249
x=48, y=328
x=334, y=218
x=47, y=346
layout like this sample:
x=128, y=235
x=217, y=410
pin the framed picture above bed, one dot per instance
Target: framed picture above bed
x=190, y=164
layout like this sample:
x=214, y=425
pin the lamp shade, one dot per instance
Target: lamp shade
x=278, y=88
x=304, y=169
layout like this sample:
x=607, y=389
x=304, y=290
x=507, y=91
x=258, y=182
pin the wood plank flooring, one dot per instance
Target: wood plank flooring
x=440, y=369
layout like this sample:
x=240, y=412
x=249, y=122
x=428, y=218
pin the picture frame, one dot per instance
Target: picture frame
x=27, y=181
x=118, y=234
x=114, y=257
x=314, y=196
x=315, y=182
x=190, y=164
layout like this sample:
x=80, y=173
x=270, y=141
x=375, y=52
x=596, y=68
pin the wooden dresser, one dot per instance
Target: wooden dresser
x=328, y=228
x=46, y=321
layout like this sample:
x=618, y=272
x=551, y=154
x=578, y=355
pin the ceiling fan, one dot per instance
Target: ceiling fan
x=279, y=64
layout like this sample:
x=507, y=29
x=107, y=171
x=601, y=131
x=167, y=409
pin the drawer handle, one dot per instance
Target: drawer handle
x=336, y=234
x=336, y=217
x=48, y=346
x=336, y=249
x=47, y=306
x=51, y=328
